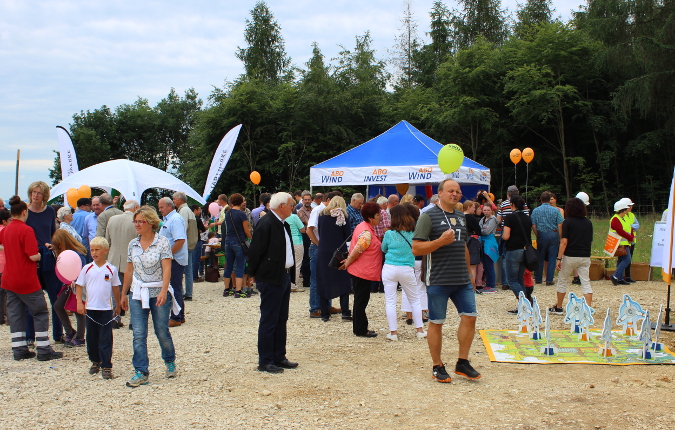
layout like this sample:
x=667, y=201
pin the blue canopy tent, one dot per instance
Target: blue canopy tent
x=400, y=155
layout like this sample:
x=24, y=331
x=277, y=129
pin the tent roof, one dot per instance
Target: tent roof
x=128, y=177
x=401, y=145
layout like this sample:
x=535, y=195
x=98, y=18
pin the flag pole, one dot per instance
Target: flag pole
x=16, y=183
x=667, y=272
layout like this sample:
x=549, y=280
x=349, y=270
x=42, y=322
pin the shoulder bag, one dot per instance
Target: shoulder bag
x=531, y=256
x=339, y=256
x=244, y=244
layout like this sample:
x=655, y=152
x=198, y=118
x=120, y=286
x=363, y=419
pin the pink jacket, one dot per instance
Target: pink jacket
x=369, y=265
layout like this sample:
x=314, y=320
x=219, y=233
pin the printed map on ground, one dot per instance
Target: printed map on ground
x=510, y=346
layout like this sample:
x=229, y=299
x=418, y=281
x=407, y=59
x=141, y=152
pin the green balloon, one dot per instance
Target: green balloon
x=450, y=158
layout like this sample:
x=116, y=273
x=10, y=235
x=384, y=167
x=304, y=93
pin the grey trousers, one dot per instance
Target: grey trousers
x=16, y=314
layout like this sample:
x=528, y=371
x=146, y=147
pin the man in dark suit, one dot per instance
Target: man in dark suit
x=272, y=263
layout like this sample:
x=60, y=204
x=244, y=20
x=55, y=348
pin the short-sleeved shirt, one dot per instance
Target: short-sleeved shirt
x=304, y=214
x=518, y=239
x=20, y=274
x=174, y=229
x=314, y=219
x=505, y=209
x=397, y=248
x=546, y=218
x=148, y=263
x=355, y=217
x=71, y=230
x=385, y=222
x=296, y=225
x=579, y=235
x=239, y=217
x=447, y=264
x=98, y=283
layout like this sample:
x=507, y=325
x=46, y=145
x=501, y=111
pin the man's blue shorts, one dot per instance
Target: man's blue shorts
x=462, y=296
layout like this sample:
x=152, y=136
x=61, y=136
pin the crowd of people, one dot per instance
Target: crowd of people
x=134, y=261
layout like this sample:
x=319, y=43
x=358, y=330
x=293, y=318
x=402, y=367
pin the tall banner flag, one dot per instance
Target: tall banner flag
x=220, y=159
x=668, y=257
x=67, y=155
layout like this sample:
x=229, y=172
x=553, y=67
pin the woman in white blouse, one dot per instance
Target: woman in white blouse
x=147, y=274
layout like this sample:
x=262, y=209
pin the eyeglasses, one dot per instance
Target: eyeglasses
x=37, y=192
x=139, y=222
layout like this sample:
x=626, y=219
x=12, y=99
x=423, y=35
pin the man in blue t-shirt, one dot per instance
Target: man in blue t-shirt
x=174, y=230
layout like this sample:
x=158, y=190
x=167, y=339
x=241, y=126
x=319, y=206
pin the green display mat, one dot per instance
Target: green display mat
x=511, y=346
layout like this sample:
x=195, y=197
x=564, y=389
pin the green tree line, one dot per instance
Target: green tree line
x=593, y=97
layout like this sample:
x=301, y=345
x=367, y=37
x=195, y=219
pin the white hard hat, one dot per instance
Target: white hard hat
x=627, y=201
x=620, y=205
x=584, y=198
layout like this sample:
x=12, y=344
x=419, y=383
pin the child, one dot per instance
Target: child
x=100, y=279
x=213, y=240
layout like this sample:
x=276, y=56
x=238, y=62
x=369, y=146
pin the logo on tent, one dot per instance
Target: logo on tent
x=422, y=173
x=335, y=176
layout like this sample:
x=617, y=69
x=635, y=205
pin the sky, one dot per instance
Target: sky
x=60, y=57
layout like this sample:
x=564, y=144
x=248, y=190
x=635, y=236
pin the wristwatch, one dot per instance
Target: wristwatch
x=559, y=259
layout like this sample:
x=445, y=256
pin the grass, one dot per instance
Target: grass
x=643, y=245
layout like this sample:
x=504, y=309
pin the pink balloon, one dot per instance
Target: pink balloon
x=69, y=265
x=61, y=278
x=214, y=209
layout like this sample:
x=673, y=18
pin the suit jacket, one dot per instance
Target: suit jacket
x=267, y=254
x=104, y=218
x=119, y=233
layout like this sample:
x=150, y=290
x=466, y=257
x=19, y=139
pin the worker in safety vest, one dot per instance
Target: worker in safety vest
x=620, y=225
x=635, y=225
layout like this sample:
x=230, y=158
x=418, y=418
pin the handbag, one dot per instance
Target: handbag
x=620, y=251
x=212, y=274
x=71, y=301
x=339, y=256
x=244, y=245
x=531, y=256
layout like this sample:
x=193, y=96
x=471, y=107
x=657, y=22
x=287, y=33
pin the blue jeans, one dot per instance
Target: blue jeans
x=489, y=269
x=547, y=246
x=189, y=273
x=515, y=270
x=274, y=302
x=622, y=263
x=160, y=321
x=314, y=303
x=462, y=297
x=235, y=259
x=177, y=283
x=197, y=255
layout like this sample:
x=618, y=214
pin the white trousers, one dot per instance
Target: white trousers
x=421, y=291
x=404, y=275
x=582, y=265
x=299, y=251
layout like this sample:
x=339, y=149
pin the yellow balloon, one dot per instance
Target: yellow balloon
x=255, y=177
x=450, y=158
x=84, y=191
x=72, y=195
x=528, y=155
x=515, y=155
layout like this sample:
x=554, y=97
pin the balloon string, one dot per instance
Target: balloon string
x=527, y=178
x=515, y=174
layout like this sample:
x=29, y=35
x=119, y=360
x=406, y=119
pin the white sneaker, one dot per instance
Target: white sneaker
x=392, y=336
x=421, y=335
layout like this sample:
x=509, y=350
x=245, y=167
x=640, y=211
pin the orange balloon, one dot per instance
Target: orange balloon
x=84, y=191
x=492, y=197
x=528, y=155
x=402, y=188
x=515, y=155
x=255, y=177
x=72, y=195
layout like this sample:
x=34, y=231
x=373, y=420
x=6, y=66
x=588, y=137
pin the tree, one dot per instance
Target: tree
x=533, y=13
x=407, y=43
x=480, y=18
x=265, y=56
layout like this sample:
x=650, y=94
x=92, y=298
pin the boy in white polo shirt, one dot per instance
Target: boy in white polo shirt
x=97, y=280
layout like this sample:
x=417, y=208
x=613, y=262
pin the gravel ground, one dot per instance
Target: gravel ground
x=343, y=382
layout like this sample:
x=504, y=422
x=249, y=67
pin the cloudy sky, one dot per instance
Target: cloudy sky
x=60, y=57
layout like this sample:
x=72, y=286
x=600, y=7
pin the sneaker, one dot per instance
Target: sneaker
x=488, y=290
x=440, y=375
x=241, y=295
x=477, y=291
x=392, y=336
x=137, y=380
x=629, y=279
x=226, y=292
x=187, y=298
x=576, y=281
x=74, y=343
x=95, y=368
x=555, y=310
x=614, y=280
x=24, y=355
x=505, y=287
x=513, y=311
x=107, y=374
x=70, y=336
x=421, y=335
x=464, y=368
x=171, y=369
x=53, y=355
x=62, y=340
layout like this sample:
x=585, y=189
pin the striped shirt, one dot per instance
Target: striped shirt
x=505, y=209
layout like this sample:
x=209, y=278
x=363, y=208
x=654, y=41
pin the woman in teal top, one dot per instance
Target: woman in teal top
x=297, y=228
x=399, y=267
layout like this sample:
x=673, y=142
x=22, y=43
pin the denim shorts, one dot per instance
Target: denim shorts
x=462, y=296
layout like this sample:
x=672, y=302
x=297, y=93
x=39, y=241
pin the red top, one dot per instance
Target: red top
x=20, y=275
x=618, y=228
x=369, y=264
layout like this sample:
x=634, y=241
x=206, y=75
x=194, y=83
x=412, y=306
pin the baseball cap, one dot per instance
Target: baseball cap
x=418, y=198
x=620, y=205
x=584, y=198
